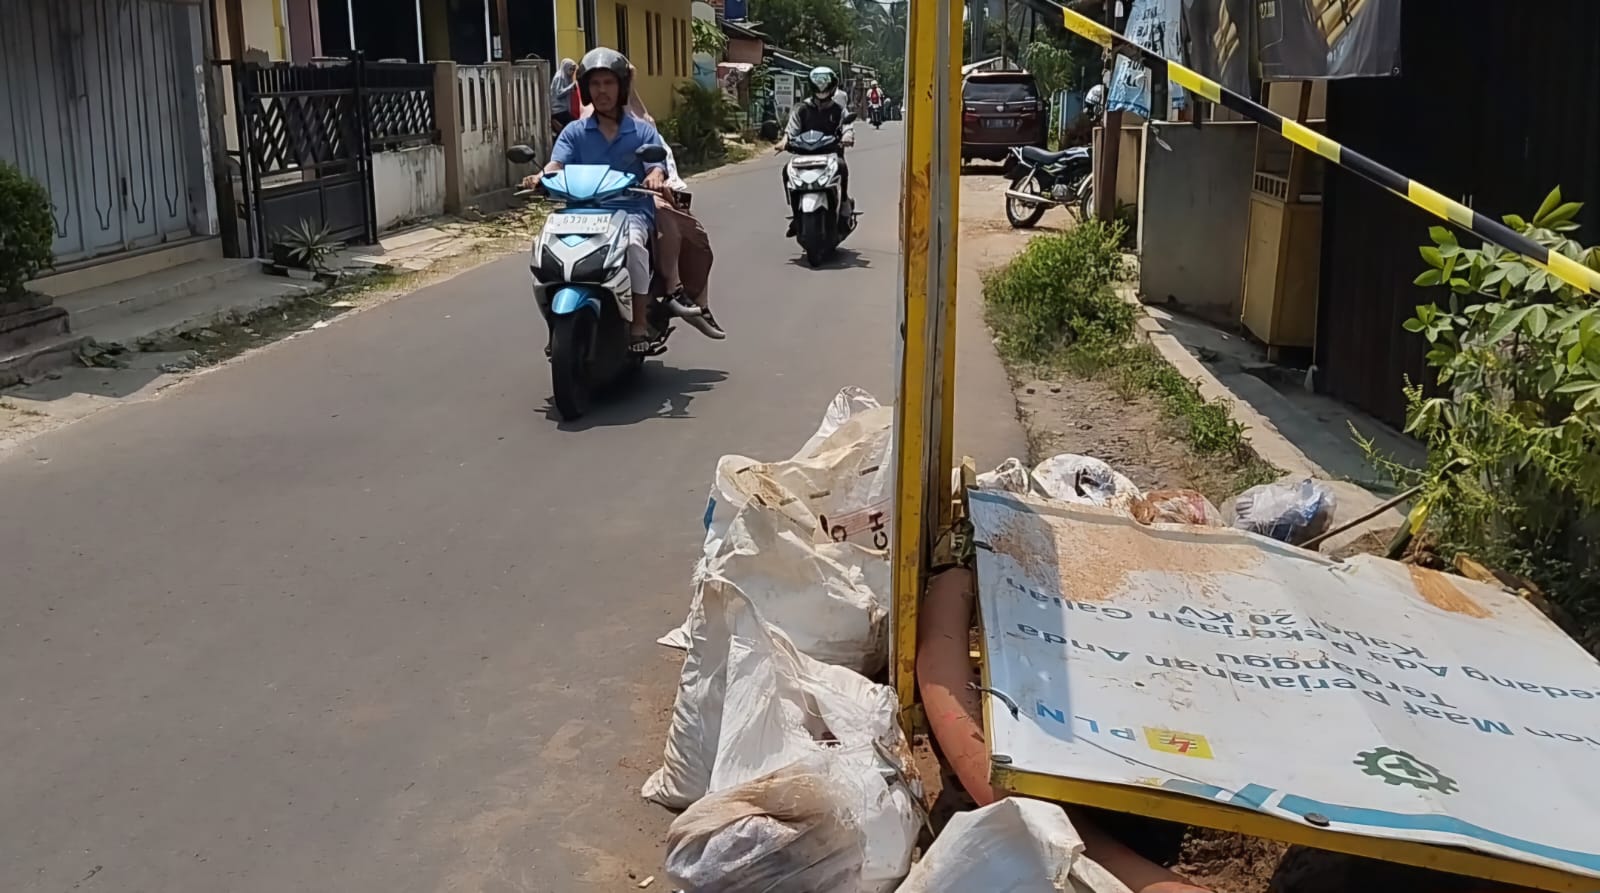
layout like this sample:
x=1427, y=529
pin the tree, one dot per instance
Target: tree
x=805, y=26
x=881, y=40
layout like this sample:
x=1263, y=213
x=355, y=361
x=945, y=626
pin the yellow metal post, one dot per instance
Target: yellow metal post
x=925, y=367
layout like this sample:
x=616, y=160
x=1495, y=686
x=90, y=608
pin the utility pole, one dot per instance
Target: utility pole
x=1005, y=31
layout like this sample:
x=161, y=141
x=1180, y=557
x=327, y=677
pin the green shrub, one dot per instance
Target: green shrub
x=698, y=120
x=1513, y=437
x=27, y=231
x=1059, y=291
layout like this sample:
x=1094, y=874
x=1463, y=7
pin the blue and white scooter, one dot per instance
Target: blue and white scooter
x=581, y=282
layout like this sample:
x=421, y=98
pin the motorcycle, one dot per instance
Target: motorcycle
x=580, y=279
x=1041, y=179
x=812, y=183
x=875, y=115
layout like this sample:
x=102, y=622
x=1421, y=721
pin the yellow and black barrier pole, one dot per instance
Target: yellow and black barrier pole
x=1558, y=265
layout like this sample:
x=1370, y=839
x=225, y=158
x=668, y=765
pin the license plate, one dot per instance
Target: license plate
x=579, y=224
x=999, y=123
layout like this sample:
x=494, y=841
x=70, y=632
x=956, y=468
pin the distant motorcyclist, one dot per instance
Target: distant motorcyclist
x=875, y=103
x=824, y=111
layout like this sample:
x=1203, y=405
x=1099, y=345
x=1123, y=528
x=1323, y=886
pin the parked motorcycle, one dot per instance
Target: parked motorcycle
x=812, y=178
x=581, y=283
x=1041, y=179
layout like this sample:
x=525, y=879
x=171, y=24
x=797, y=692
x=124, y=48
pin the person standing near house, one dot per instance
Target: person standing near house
x=564, y=94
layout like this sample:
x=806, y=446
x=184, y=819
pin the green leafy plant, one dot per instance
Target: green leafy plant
x=1059, y=291
x=306, y=246
x=1513, y=430
x=809, y=27
x=27, y=230
x=707, y=38
x=698, y=120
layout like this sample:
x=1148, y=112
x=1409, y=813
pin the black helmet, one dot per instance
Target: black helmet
x=610, y=60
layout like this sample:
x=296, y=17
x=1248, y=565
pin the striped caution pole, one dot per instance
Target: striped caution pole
x=1558, y=265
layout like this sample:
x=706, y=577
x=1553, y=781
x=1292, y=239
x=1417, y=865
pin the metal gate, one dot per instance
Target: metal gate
x=100, y=102
x=304, y=150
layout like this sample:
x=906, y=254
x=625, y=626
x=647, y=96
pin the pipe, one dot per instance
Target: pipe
x=1030, y=199
x=944, y=671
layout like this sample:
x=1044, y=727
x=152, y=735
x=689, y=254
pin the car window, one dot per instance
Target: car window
x=989, y=90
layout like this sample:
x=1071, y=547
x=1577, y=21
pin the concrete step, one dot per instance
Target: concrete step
x=141, y=293
x=38, y=357
x=23, y=327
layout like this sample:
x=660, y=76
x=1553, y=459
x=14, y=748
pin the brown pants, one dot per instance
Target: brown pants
x=682, y=242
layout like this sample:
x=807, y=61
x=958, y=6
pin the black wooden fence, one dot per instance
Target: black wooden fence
x=306, y=138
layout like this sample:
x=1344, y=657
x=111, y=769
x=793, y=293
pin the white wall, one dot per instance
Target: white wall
x=408, y=184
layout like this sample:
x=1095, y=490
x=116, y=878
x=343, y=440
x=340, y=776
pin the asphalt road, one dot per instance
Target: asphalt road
x=354, y=614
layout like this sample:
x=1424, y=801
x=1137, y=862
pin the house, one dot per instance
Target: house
x=1316, y=263
x=655, y=35
x=100, y=102
x=746, y=44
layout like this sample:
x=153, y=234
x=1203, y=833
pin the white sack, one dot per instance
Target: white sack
x=1086, y=481
x=816, y=824
x=839, y=486
x=831, y=600
x=749, y=703
x=1016, y=845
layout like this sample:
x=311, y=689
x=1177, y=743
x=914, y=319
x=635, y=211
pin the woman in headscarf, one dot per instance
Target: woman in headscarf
x=563, y=87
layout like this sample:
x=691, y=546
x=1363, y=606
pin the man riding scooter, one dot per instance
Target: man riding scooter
x=875, y=104
x=613, y=137
x=824, y=110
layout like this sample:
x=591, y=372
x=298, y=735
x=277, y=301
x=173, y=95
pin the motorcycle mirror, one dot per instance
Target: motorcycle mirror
x=849, y=118
x=520, y=154
x=652, y=154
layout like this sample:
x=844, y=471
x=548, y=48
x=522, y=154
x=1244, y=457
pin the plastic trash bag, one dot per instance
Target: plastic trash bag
x=1016, y=845
x=1177, y=507
x=1292, y=510
x=1010, y=476
x=1086, y=481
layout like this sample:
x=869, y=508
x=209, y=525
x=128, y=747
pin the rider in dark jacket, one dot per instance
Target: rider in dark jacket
x=823, y=111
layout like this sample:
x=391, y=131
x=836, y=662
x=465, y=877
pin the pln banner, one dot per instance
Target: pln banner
x=1316, y=39
x=1218, y=40
x=1363, y=697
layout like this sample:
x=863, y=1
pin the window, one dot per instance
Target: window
x=649, y=43
x=622, y=28
x=656, y=55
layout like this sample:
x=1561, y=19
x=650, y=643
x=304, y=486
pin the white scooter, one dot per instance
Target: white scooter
x=811, y=180
x=581, y=282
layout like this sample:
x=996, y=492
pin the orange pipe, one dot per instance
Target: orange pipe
x=944, y=670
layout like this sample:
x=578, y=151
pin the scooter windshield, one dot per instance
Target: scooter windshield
x=812, y=142
x=588, y=184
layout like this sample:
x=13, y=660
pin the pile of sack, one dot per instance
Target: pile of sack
x=786, y=760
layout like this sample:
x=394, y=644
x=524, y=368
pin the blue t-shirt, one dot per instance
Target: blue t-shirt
x=581, y=142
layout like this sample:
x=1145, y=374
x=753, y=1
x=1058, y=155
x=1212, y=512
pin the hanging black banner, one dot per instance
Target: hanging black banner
x=1307, y=39
x=1217, y=33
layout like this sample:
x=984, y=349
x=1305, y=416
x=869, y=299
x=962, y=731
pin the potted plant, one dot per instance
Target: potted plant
x=302, y=251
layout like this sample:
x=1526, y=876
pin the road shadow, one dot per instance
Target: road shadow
x=659, y=392
x=843, y=258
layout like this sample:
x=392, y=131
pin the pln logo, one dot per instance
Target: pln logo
x=1184, y=744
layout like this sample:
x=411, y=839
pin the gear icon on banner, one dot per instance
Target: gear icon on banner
x=1398, y=767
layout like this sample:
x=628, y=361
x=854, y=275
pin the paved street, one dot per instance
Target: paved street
x=353, y=614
